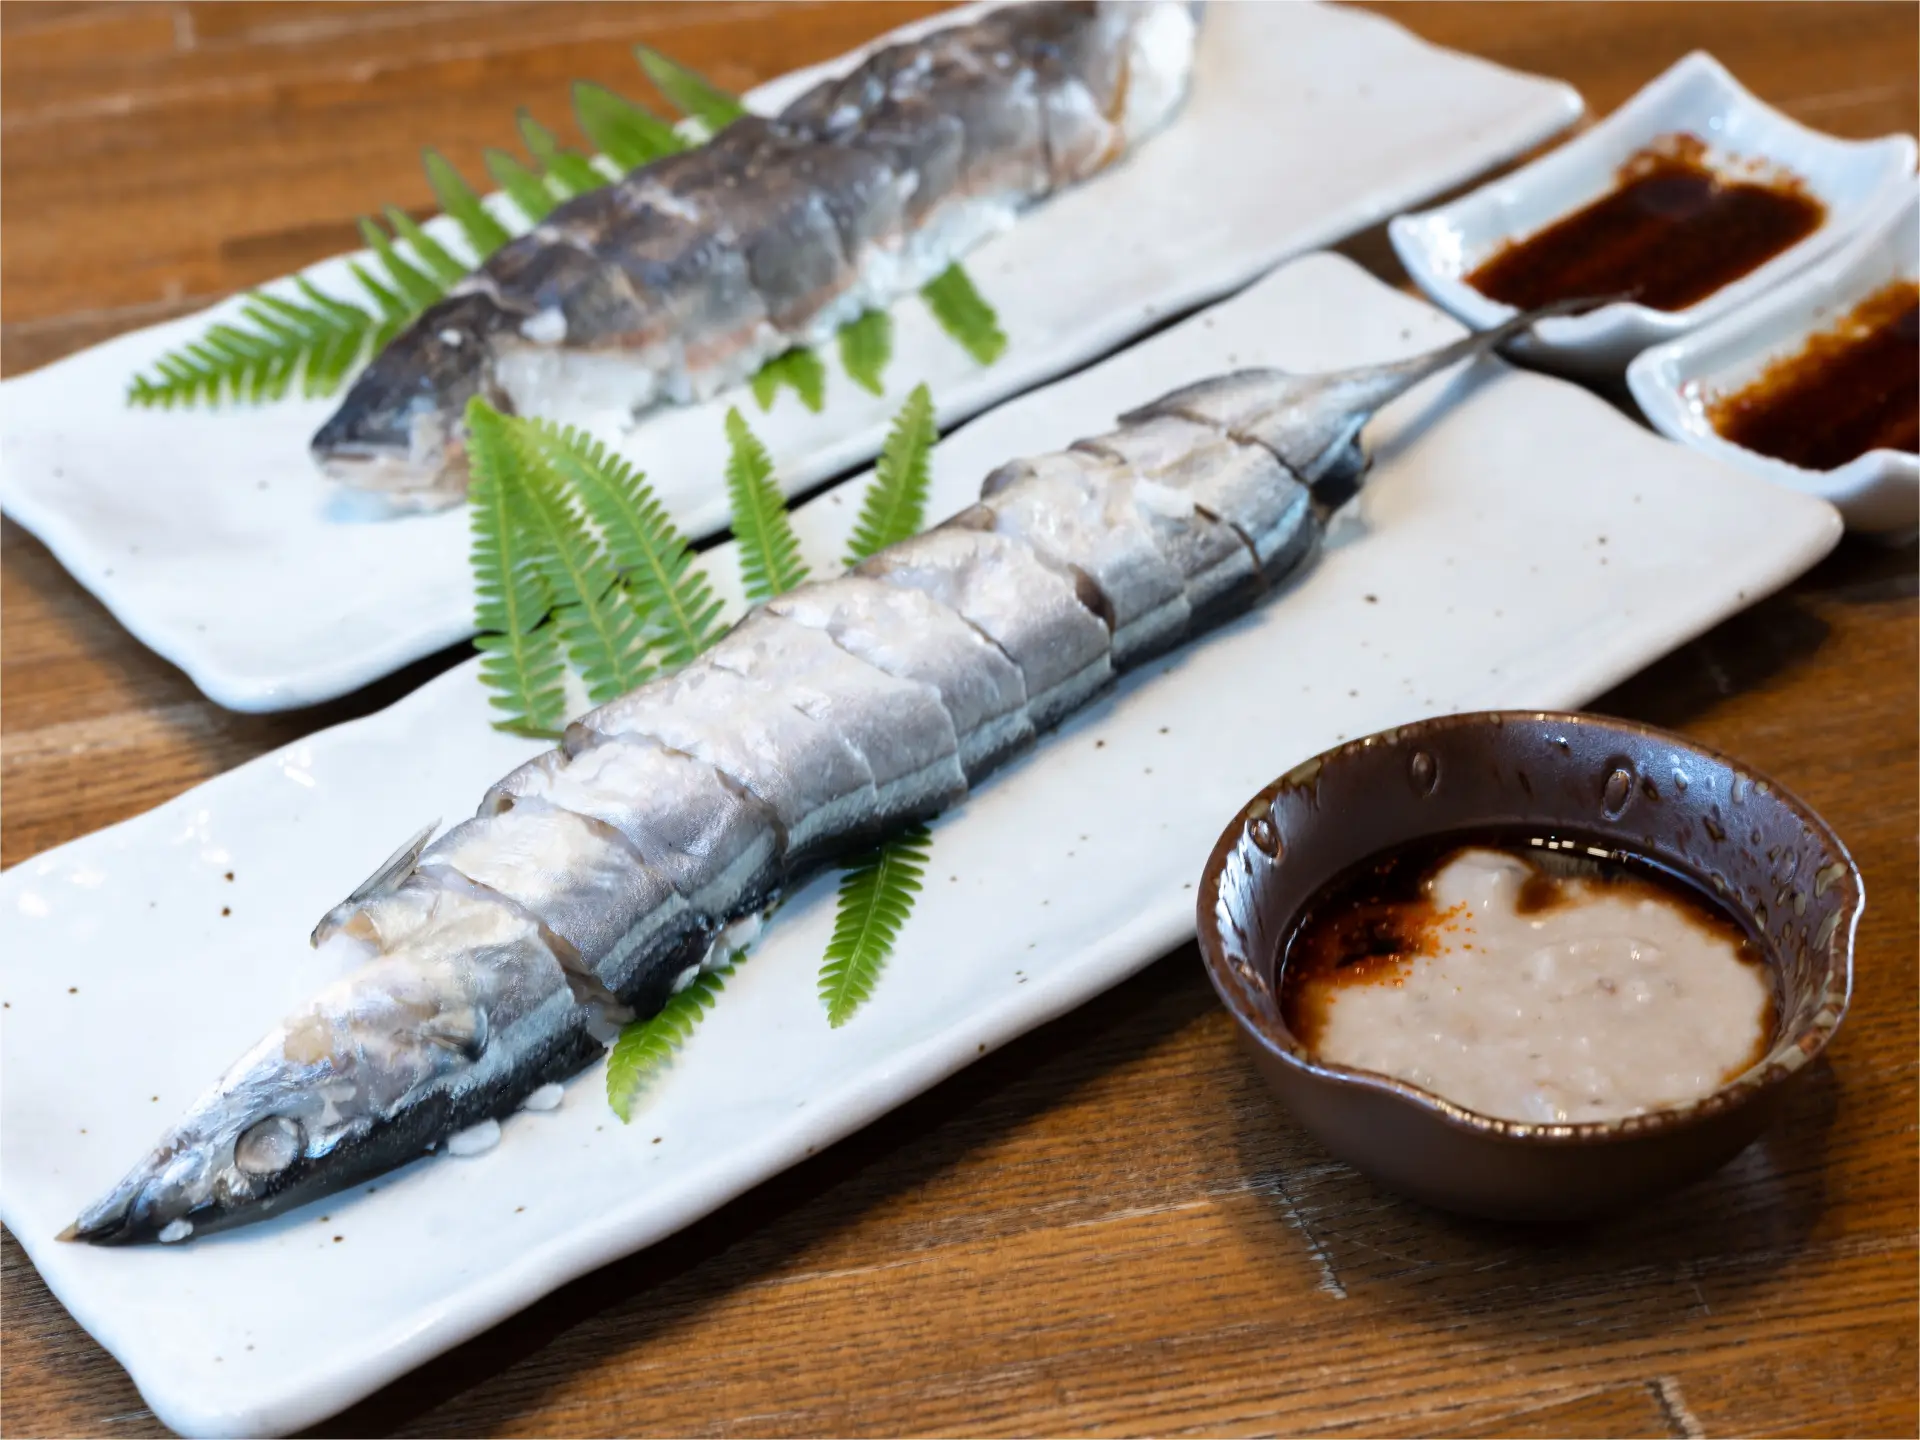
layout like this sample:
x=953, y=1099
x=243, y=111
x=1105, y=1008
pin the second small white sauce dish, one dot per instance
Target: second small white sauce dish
x=1853, y=179
x=1674, y=384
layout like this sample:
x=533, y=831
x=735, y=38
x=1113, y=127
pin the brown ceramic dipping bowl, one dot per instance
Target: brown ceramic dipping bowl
x=1762, y=851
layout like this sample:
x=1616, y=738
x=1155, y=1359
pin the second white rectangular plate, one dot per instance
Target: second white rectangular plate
x=1519, y=544
x=211, y=536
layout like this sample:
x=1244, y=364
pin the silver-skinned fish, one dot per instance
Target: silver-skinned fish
x=690, y=272
x=601, y=876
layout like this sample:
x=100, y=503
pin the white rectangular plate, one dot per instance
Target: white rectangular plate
x=211, y=536
x=1520, y=543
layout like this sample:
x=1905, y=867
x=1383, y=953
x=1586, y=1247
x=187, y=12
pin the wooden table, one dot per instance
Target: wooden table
x=1102, y=1227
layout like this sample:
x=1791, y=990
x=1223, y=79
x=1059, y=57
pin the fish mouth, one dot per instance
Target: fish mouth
x=137, y=1211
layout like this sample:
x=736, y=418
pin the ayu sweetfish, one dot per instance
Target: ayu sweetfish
x=690, y=272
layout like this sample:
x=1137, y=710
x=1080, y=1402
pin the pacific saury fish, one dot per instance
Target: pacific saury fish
x=690, y=272
x=603, y=874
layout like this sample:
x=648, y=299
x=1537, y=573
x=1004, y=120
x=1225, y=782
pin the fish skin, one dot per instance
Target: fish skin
x=688, y=273
x=683, y=808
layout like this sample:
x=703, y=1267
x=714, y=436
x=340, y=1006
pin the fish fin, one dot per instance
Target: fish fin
x=391, y=875
x=463, y=1030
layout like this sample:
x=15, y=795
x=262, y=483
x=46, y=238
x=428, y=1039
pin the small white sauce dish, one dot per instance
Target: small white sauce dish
x=1854, y=179
x=1675, y=383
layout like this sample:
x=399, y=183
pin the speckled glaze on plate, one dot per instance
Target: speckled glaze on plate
x=1519, y=543
x=1761, y=850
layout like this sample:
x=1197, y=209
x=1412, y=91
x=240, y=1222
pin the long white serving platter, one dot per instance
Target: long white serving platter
x=1520, y=543
x=211, y=536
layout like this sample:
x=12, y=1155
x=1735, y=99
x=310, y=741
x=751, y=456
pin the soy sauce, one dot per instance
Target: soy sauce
x=1671, y=233
x=1853, y=389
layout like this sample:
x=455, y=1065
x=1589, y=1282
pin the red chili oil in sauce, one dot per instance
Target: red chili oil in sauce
x=1854, y=388
x=1370, y=923
x=1671, y=233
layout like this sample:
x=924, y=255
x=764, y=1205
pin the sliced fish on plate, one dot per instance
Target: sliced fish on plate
x=687, y=274
x=604, y=874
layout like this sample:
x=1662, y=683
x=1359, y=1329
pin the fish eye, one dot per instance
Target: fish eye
x=268, y=1146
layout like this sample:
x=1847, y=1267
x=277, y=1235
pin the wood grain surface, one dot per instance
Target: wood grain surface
x=1103, y=1227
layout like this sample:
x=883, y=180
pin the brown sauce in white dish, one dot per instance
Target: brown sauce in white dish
x=1528, y=977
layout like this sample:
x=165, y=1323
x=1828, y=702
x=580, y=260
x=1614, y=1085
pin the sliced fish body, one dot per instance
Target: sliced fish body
x=912, y=636
x=600, y=876
x=900, y=727
x=688, y=273
x=1241, y=485
x=1040, y=619
x=581, y=879
x=1077, y=513
x=715, y=842
x=812, y=777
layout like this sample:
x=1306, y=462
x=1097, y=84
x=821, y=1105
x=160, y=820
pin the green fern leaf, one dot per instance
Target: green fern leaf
x=258, y=358
x=520, y=659
x=692, y=94
x=625, y=133
x=964, y=315
x=570, y=172
x=446, y=270
x=865, y=347
x=895, y=505
x=416, y=291
x=484, y=233
x=527, y=190
x=675, y=602
x=599, y=628
x=646, y=1047
x=876, y=895
x=769, y=553
x=342, y=331
x=799, y=368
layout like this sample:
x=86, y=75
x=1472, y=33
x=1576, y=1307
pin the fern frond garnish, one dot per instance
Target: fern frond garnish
x=799, y=368
x=964, y=315
x=571, y=173
x=770, y=561
x=524, y=187
x=646, y=1047
x=415, y=289
x=681, y=615
x=691, y=94
x=599, y=627
x=895, y=505
x=445, y=270
x=317, y=342
x=520, y=659
x=626, y=133
x=865, y=347
x=484, y=233
x=394, y=312
x=876, y=895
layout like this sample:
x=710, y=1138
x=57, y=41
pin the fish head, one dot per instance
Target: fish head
x=400, y=430
x=245, y=1141
x=309, y=1110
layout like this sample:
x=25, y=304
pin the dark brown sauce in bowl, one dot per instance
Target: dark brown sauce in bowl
x=1851, y=389
x=1671, y=232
